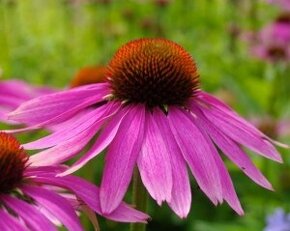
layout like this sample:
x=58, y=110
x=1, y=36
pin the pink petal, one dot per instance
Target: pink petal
x=240, y=130
x=229, y=193
x=125, y=213
x=74, y=129
x=57, y=107
x=197, y=153
x=154, y=162
x=55, y=204
x=181, y=193
x=233, y=151
x=64, y=151
x=121, y=158
x=8, y=222
x=51, y=170
x=105, y=138
x=28, y=213
x=89, y=194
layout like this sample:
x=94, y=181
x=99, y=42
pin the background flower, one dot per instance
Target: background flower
x=29, y=202
x=278, y=221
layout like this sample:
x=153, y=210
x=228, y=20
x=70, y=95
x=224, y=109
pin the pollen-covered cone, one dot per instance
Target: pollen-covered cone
x=150, y=114
x=33, y=198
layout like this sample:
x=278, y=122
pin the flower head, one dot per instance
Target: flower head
x=151, y=114
x=89, y=75
x=153, y=72
x=33, y=197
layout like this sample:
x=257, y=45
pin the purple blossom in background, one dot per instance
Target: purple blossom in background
x=32, y=198
x=151, y=113
x=272, y=43
x=278, y=221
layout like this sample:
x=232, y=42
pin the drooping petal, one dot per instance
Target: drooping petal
x=205, y=97
x=229, y=193
x=10, y=101
x=7, y=222
x=51, y=170
x=181, y=193
x=28, y=213
x=57, y=107
x=64, y=151
x=154, y=162
x=61, y=135
x=197, y=153
x=55, y=204
x=240, y=130
x=105, y=138
x=89, y=194
x=72, y=146
x=232, y=150
x=15, y=88
x=121, y=158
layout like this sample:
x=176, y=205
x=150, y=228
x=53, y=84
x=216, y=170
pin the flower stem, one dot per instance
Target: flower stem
x=140, y=197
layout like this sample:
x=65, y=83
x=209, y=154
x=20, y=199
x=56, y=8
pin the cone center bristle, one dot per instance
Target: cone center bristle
x=13, y=160
x=155, y=72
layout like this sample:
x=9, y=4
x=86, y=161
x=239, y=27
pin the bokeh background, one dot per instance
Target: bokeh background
x=47, y=42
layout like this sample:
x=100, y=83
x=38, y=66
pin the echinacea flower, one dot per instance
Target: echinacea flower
x=15, y=92
x=32, y=198
x=278, y=221
x=89, y=75
x=151, y=113
x=272, y=43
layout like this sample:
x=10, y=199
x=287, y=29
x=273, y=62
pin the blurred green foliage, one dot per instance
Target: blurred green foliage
x=46, y=42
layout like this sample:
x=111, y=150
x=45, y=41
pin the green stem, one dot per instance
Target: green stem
x=139, y=200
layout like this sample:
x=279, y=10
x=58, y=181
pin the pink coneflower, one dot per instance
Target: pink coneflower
x=32, y=198
x=89, y=75
x=273, y=41
x=15, y=92
x=151, y=114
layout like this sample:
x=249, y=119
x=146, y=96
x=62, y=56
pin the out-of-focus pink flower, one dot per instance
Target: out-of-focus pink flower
x=272, y=43
x=274, y=128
